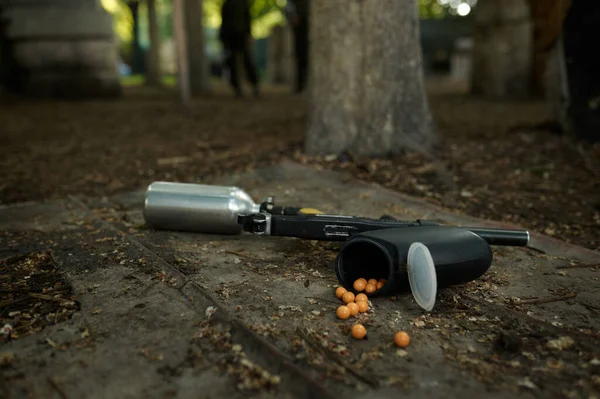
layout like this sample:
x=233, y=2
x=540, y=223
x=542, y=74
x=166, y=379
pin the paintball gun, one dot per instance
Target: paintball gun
x=417, y=255
x=201, y=208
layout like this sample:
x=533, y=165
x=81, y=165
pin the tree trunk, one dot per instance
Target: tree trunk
x=280, y=62
x=137, y=56
x=366, y=80
x=556, y=87
x=548, y=19
x=153, y=75
x=582, y=64
x=503, y=49
x=183, y=76
x=198, y=69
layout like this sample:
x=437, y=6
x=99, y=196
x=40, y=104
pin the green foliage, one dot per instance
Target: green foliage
x=265, y=14
x=138, y=80
x=429, y=9
x=260, y=8
x=164, y=13
x=122, y=21
x=211, y=10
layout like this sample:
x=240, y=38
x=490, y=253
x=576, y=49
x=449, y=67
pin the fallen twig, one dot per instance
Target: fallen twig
x=9, y=302
x=12, y=290
x=24, y=327
x=12, y=258
x=544, y=300
x=323, y=299
x=58, y=388
x=243, y=255
x=50, y=298
x=591, y=308
x=580, y=266
x=540, y=251
x=18, y=257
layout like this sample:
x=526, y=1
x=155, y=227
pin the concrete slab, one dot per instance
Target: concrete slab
x=147, y=328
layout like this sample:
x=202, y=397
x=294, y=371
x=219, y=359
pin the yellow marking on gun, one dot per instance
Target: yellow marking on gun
x=310, y=211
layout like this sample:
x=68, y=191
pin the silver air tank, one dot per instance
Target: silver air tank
x=196, y=207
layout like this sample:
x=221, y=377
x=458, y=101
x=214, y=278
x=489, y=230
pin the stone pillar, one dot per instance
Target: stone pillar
x=280, y=63
x=556, y=88
x=64, y=48
x=461, y=59
x=503, y=49
x=153, y=75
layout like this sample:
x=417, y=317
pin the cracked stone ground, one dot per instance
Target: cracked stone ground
x=104, y=307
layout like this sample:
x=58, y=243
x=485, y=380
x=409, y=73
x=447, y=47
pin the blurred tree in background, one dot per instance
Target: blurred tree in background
x=265, y=13
x=367, y=96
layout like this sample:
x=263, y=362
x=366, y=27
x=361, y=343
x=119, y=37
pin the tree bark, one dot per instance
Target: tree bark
x=548, y=19
x=153, y=75
x=581, y=66
x=137, y=56
x=366, y=81
x=503, y=49
x=183, y=76
x=198, y=68
x=280, y=63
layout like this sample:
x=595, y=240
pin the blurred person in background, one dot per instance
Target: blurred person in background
x=236, y=35
x=297, y=12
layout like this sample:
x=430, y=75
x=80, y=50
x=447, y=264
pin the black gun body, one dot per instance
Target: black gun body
x=340, y=228
x=333, y=228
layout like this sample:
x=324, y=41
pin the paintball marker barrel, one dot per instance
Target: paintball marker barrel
x=515, y=238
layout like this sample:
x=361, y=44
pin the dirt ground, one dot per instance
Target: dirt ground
x=496, y=160
x=94, y=304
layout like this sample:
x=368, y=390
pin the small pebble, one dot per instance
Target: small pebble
x=561, y=343
x=348, y=297
x=236, y=348
x=401, y=353
x=358, y=331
